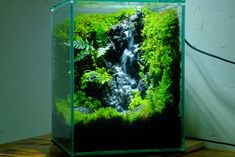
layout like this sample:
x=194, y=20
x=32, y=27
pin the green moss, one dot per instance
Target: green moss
x=161, y=52
x=95, y=26
x=100, y=114
x=159, y=68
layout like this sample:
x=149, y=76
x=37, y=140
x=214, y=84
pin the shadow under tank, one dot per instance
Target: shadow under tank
x=117, y=77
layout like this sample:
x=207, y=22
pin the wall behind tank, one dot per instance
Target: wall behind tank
x=210, y=83
x=25, y=69
x=25, y=56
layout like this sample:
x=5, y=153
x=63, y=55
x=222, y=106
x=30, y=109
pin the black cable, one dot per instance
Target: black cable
x=217, y=57
x=208, y=54
x=212, y=141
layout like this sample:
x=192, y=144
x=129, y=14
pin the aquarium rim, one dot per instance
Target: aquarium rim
x=65, y=2
x=132, y=151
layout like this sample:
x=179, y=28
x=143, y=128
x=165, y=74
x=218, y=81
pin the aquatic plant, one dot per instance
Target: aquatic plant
x=110, y=59
x=100, y=76
x=94, y=27
x=85, y=48
x=161, y=58
x=81, y=99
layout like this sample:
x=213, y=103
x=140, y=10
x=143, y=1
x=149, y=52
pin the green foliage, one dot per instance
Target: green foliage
x=90, y=34
x=160, y=96
x=154, y=103
x=94, y=27
x=100, y=114
x=139, y=109
x=85, y=49
x=161, y=53
x=101, y=52
x=100, y=76
x=161, y=50
x=161, y=42
x=80, y=99
x=136, y=101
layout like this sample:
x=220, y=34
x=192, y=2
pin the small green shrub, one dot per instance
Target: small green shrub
x=137, y=101
x=100, y=76
x=82, y=100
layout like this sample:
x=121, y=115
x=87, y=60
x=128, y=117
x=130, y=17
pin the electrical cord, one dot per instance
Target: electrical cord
x=212, y=141
x=225, y=60
x=208, y=54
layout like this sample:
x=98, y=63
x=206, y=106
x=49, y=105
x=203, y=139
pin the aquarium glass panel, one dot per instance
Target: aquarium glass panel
x=118, y=76
x=62, y=76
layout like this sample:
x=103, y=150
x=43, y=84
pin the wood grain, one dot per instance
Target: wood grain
x=42, y=147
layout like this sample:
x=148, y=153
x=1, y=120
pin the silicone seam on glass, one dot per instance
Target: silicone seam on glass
x=52, y=78
x=59, y=5
x=72, y=74
x=183, y=75
x=164, y=150
x=60, y=145
x=159, y=1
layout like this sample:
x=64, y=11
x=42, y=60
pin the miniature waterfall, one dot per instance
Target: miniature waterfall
x=123, y=84
x=128, y=56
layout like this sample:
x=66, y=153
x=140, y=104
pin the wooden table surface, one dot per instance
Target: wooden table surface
x=42, y=147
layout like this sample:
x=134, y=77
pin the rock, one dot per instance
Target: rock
x=108, y=64
x=120, y=109
x=133, y=69
x=133, y=85
x=84, y=110
x=142, y=87
x=93, y=78
x=122, y=58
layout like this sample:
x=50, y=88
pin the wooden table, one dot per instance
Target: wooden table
x=42, y=147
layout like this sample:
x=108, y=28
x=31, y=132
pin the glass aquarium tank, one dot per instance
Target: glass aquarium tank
x=118, y=76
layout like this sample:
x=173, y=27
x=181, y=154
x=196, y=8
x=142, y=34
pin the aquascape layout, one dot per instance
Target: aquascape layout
x=127, y=71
